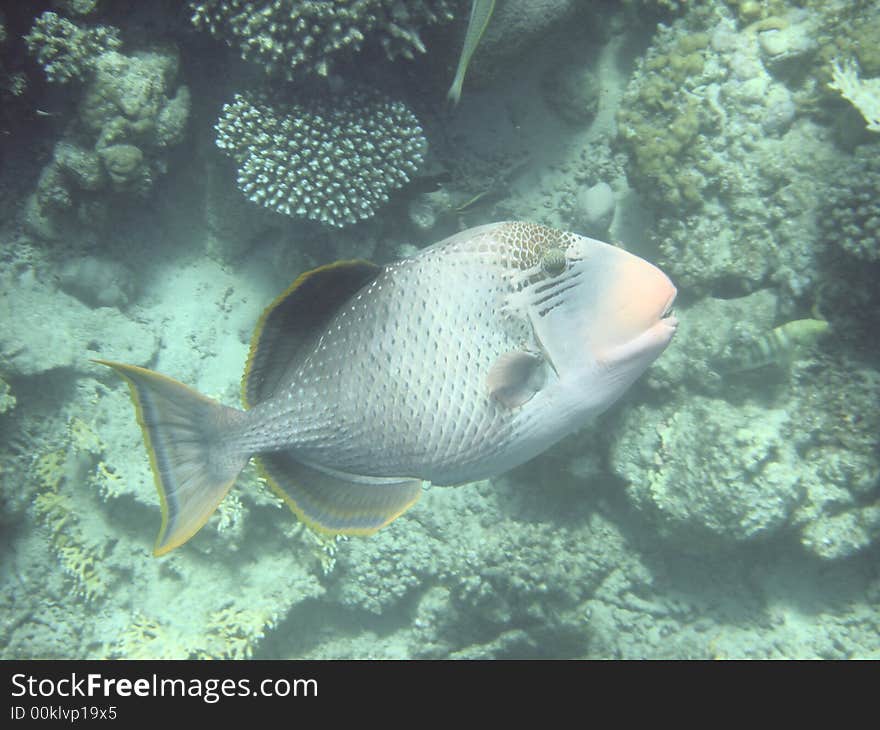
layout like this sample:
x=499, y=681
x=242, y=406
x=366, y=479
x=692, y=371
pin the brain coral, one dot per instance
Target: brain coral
x=333, y=162
x=288, y=37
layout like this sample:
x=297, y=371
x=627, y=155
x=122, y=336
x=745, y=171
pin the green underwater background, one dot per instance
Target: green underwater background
x=167, y=168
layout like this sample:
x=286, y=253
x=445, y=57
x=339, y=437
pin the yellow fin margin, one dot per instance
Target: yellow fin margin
x=189, y=490
x=407, y=493
x=283, y=297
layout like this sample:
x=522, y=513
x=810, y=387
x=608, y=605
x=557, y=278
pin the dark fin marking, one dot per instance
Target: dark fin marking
x=515, y=377
x=335, y=503
x=291, y=321
x=183, y=433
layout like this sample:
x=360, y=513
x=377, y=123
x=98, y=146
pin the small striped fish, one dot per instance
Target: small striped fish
x=778, y=347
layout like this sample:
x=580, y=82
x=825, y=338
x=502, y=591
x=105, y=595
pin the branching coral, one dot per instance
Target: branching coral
x=65, y=50
x=863, y=94
x=231, y=632
x=237, y=630
x=55, y=509
x=289, y=37
x=331, y=162
x=150, y=638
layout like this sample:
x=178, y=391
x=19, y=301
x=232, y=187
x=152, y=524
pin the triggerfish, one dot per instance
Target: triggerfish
x=363, y=382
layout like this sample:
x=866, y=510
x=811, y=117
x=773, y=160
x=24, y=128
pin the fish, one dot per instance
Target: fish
x=481, y=12
x=364, y=383
x=779, y=346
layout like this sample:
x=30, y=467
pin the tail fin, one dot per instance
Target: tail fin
x=183, y=431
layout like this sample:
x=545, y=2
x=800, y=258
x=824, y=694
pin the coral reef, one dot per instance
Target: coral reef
x=55, y=472
x=851, y=218
x=132, y=110
x=292, y=37
x=836, y=437
x=660, y=96
x=334, y=163
x=88, y=517
x=67, y=51
x=467, y=585
x=721, y=457
x=706, y=469
x=716, y=127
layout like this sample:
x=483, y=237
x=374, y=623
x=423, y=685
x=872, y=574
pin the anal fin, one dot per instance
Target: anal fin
x=337, y=503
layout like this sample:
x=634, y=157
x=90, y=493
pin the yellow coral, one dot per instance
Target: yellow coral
x=50, y=470
x=238, y=630
x=231, y=514
x=108, y=482
x=231, y=632
x=56, y=510
x=79, y=562
x=148, y=638
x=84, y=438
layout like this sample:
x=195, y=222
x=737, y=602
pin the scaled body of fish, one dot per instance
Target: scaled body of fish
x=457, y=364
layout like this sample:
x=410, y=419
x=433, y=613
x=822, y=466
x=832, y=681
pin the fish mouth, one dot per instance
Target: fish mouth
x=666, y=316
x=649, y=343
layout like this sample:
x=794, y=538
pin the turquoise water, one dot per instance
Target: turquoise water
x=168, y=169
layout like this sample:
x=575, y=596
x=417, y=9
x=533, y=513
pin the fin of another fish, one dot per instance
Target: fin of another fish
x=288, y=323
x=334, y=502
x=515, y=377
x=182, y=431
x=481, y=12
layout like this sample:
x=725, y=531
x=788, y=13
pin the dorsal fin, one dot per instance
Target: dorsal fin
x=292, y=319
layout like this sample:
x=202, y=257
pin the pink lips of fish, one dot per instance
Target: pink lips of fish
x=634, y=324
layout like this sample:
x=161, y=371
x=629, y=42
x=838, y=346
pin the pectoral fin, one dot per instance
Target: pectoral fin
x=515, y=377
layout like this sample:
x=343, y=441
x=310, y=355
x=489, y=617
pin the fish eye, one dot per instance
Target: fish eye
x=553, y=261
